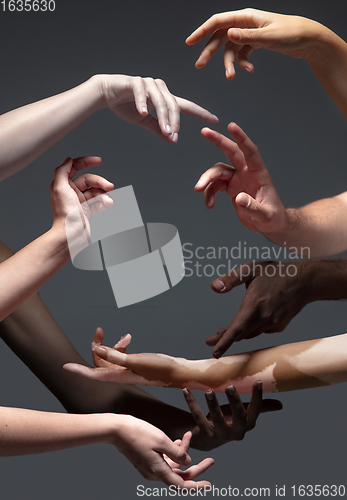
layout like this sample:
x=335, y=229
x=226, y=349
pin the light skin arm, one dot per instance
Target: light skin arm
x=301, y=365
x=153, y=454
x=275, y=293
x=29, y=131
x=26, y=271
x=243, y=31
x=314, y=230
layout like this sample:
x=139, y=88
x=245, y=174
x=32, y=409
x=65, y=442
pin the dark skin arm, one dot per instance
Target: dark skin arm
x=272, y=299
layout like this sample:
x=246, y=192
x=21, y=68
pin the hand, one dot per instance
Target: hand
x=228, y=422
x=156, y=457
x=116, y=365
x=275, y=293
x=248, y=183
x=133, y=99
x=73, y=196
x=243, y=31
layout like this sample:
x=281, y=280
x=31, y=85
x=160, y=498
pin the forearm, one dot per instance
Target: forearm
x=288, y=367
x=328, y=60
x=27, y=270
x=315, y=230
x=29, y=131
x=27, y=431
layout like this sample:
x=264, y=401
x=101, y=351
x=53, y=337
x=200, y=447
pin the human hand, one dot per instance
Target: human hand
x=272, y=299
x=155, y=456
x=133, y=99
x=70, y=195
x=116, y=365
x=243, y=31
x=248, y=183
x=228, y=422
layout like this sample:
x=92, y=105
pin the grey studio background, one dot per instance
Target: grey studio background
x=301, y=136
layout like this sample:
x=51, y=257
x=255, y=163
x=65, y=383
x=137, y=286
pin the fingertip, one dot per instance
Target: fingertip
x=242, y=200
x=218, y=286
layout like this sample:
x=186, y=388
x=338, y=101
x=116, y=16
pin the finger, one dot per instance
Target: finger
x=140, y=96
x=213, y=339
x=212, y=46
x=111, y=355
x=211, y=191
x=160, y=105
x=86, y=181
x=98, y=336
x=151, y=124
x=196, y=470
x=216, y=413
x=176, y=453
x=98, y=202
x=254, y=407
x=229, y=60
x=239, y=414
x=228, y=147
x=258, y=37
x=261, y=214
x=250, y=150
x=244, y=322
x=192, y=109
x=122, y=343
x=242, y=57
x=197, y=413
x=225, y=20
x=69, y=168
x=218, y=171
x=185, y=443
x=235, y=278
x=173, y=108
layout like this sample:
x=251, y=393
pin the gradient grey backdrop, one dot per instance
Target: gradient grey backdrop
x=302, y=138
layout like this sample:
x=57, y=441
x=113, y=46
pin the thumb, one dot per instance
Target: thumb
x=249, y=36
x=261, y=214
x=235, y=278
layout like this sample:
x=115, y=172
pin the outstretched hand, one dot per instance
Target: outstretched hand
x=275, y=293
x=243, y=31
x=228, y=422
x=247, y=182
x=133, y=98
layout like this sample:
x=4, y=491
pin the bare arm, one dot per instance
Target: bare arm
x=29, y=131
x=301, y=365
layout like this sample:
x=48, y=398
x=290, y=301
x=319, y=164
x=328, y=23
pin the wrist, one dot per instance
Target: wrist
x=57, y=241
x=323, y=46
x=96, y=84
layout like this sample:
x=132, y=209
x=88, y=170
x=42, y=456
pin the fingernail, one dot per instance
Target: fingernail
x=100, y=350
x=231, y=390
x=198, y=184
x=175, y=137
x=216, y=117
x=259, y=385
x=236, y=35
x=219, y=285
x=168, y=129
x=209, y=395
x=144, y=110
x=185, y=391
x=217, y=354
